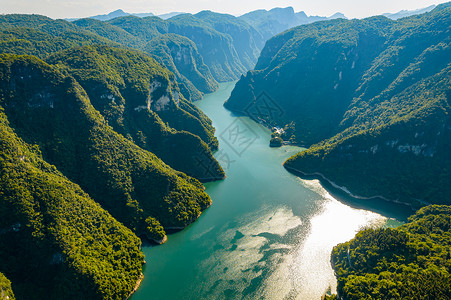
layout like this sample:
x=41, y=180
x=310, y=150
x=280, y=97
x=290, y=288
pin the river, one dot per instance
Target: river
x=268, y=234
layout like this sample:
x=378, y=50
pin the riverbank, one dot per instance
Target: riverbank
x=323, y=179
x=137, y=285
x=268, y=236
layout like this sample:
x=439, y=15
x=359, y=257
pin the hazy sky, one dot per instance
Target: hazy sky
x=84, y=8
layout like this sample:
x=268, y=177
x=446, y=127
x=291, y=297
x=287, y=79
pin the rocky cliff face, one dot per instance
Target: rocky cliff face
x=142, y=102
x=216, y=48
x=180, y=55
x=371, y=95
x=55, y=241
x=272, y=22
x=131, y=183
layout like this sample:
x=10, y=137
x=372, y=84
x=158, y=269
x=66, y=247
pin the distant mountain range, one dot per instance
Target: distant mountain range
x=120, y=13
x=372, y=99
x=293, y=18
x=100, y=142
x=408, y=13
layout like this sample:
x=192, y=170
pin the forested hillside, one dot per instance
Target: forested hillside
x=40, y=36
x=201, y=49
x=5, y=288
x=51, y=225
x=372, y=96
x=198, y=49
x=101, y=145
x=55, y=241
x=53, y=111
x=141, y=101
x=115, y=88
x=81, y=132
x=409, y=262
x=180, y=55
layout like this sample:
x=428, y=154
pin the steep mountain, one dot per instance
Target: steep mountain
x=412, y=261
x=183, y=117
x=40, y=36
x=111, y=32
x=173, y=50
x=53, y=111
x=143, y=28
x=114, y=14
x=408, y=13
x=373, y=93
x=55, y=241
x=141, y=101
x=272, y=22
x=215, y=47
x=180, y=55
x=304, y=71
x=169, y=15
x=245, y=39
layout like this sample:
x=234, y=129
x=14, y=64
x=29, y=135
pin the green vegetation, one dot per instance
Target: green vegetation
x=371, y=96
x=5, y=288
x=55, y=112
x=245, y=39
x=199, y=49
x=55, y=241
x=141, y=101
x=34, y=42
x=119, y=89
x=272, y=22
x=227, y=45
x=93, y=110
x=110, y=32
x=180, y=55
x=155, y=231
x=409, y=262
x=40, y=36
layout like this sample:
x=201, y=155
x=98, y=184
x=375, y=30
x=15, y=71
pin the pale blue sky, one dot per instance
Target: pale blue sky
x=84, y=8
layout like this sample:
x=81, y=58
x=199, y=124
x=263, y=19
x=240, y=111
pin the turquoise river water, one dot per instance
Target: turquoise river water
x=268, y=234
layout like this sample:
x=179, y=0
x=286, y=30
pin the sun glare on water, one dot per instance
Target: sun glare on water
x=281, y=256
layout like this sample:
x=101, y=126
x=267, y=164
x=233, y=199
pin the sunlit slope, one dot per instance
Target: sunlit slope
x=372, y=96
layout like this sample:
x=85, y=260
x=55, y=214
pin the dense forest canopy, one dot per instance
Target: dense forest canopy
x=101, y=144
x=77, y=132
x=409, y=262
x=372, y=99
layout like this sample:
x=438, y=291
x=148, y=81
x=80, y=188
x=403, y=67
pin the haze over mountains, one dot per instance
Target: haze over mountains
x=301, y=16
x=408, y=13
x=120, y=13
x=101, y=143
x=216, y=47
x=366, y=92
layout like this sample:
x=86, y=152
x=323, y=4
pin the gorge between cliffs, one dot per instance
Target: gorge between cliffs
x=268, y=233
